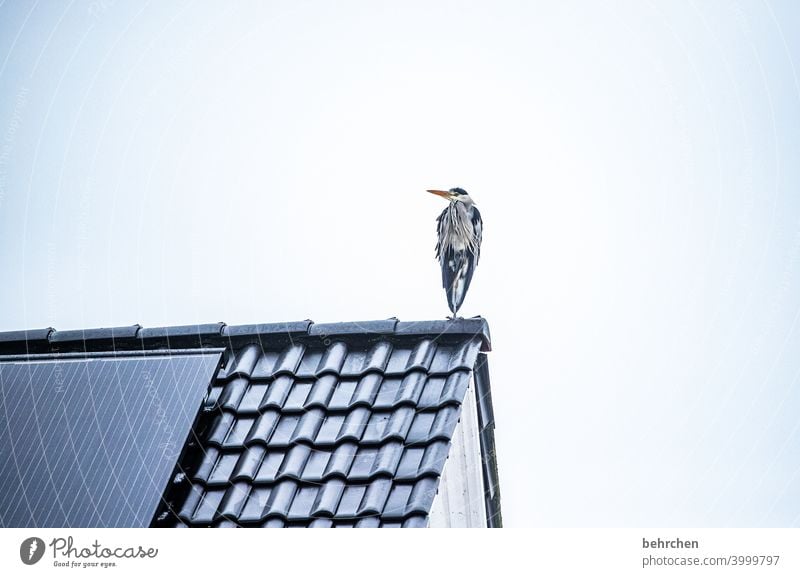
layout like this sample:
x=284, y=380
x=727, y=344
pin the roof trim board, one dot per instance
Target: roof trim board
x=221, y=335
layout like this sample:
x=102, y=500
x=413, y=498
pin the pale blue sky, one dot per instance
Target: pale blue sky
x=636, y=164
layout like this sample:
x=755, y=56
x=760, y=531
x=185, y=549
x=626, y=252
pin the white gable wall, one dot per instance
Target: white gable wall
x=460, y=499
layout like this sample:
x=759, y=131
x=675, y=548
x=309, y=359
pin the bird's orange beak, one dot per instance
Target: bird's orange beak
x=442, y=193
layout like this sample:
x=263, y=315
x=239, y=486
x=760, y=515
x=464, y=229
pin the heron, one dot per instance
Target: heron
x=458, y=248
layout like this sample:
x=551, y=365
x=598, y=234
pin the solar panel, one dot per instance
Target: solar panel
x=92, y=442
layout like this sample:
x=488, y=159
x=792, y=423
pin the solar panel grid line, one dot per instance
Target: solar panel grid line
x=99, y=407
x=34, y=377
x=71, y=376
x=23, y=484
x=155, y=386
x=87, y=421
x=11, y=452
x=113, y=478
x=81, y=430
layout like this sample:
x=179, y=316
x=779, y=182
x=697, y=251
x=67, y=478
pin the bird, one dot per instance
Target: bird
x=460, y=230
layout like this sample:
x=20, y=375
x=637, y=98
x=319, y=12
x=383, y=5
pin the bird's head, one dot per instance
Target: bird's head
x=454, y=195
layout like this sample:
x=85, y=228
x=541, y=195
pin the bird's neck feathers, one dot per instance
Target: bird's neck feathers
x=462, y=207
x=466, y=200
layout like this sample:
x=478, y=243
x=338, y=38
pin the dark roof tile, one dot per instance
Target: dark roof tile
x=377, y=357
x=395, y=506
x=362, y=464
x=190, y=503
x=329, y=430
x=325, y=330
x=282, y=435
x=354, y=424
x=253, y=509
x=303, y=502
x=409, y=463
x=270, y=465
x=294, y=462
x=277, y=392
x=433, y=459
x=366, y=389
x=248, y=463
x=332, y=359
x=309, y=363
x=88, y=335
x=219, y=429
x=416, y=522
x=387, y=393
x=371, y=522
x=274, y=523
x=221, y=474
x=263, y=427
x=321, y=524
x=444, y=424
x=291, y=329
x=238, y=433
x=251, y=401
x=234, y=500
x=375, y=497
x=351, y=501
x=207, y=464
x=391, y=525
x=315, y=466
x=281, y=497
x=183, y=330
x=207, y=508
x=421, y=497
x=298, y=394
x=341, y=398
x=246, y=360
x=308, y=426
x=399, y=423
x=233, y=393
x=321, y=392
x=449, y=359
x=224, y=523
x=286, y=362
x=398, y=362
x=421, y=356
x=411, y=388
x=340, y=460
x=420, y=428
x=387, y=459
x=327, y=499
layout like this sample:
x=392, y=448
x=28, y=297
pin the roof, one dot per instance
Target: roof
x=343, y=424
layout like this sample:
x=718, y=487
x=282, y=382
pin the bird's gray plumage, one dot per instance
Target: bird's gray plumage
x=460, y=231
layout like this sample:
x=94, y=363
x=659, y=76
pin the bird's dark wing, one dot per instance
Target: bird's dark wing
x=477, y=224
x=457, y=269
x=439, y=235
